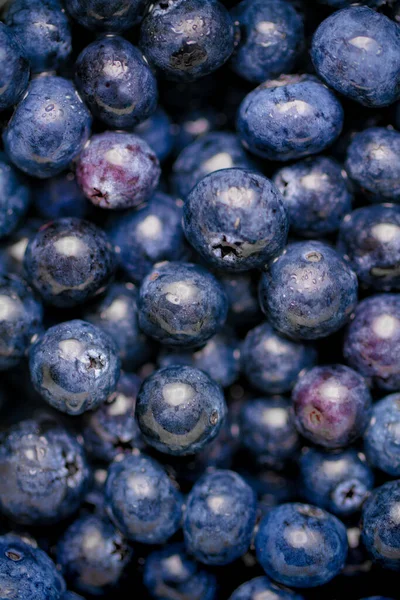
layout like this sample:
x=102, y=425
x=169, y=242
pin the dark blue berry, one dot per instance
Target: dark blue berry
x=106, y=15
x=219, y=518
x=180, y=410
x=382, y=437
x=44, y=472
x=159, y=132
x=289, y=118
x=142, y=501
x=309, y=291
x=300, y=545
x=235, y=219
x=74, y=366
x=116, y=82
x=181, y=304
x=59, y=197
x=69, y=261
x=260, y=587
x=357, y=52
x=44, y=146
x=14, y=75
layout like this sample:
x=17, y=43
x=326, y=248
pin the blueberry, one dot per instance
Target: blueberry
x=235, y=219
x=43, y=31
x=289, y=118
x=159, y=132
x=21, y=316
x=371, y=163
x=187, y=39
x=370, y=238
x=338, y=482
x=71, y=596
x=149, y=235
x=382, y=437
x=169, y=574
x=195, y=122
x=300, y=545
x=332, y=405
x=267, y=430
x=272, y=39
x=13, y=249
x=372, y=342
x=68, y=261
x=15, y=196
x=260, y=587
x=44, y=472
x=271, y=362
x=316, y=194
x=74, y=366
x=380, y=525
x=112, y=430
x=357, y=52
x=219, y=518
x=106, y=15
x=116, y=82
x=59, y=197
x=117, y=170
x=44, y=146
x=15, y=70
x=241, y=289
x=181, y=304
x=180, y=410
x=92, y=555
x=309, y=291
x=26, y=572
x=210, y=152
x=142, y=501
x=117, y=315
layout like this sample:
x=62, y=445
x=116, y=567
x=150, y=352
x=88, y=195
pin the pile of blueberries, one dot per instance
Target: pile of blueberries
x=199, y=299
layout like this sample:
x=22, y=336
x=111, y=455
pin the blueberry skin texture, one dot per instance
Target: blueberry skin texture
x=309, y=291
x=45, y=473
x=158, y=132
x=235, y=219
x=74, y=366
x=267, y=430
x=316, y=194
x=149, y=235
x=382, y=436
x=106, y=15
x=112, y=430
x=241, y=290
x=370, y=239
x=372, y=164
x=15, y=196
x=121, y=97
x=117, y=170
x=180, y=410
x=338, y=482
x=356, y=51
x=272, y=363
x=187, y=39
x=142, y=501
x=21, y=317
x=69, y=261
x=181, y=304
x=15, y=70
x=117, y=315
x=267, y=51
x=92, y=555
x=209, y=153
x=372, y=340
x=380, y=526
x=170, y=574
x=300, y=545
x=259, y=586
x=27, y=572
x=60, y=197
x=43, y=31
x=332, y=405
x=44, y=146
x=219, y=518
x=287, y=119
